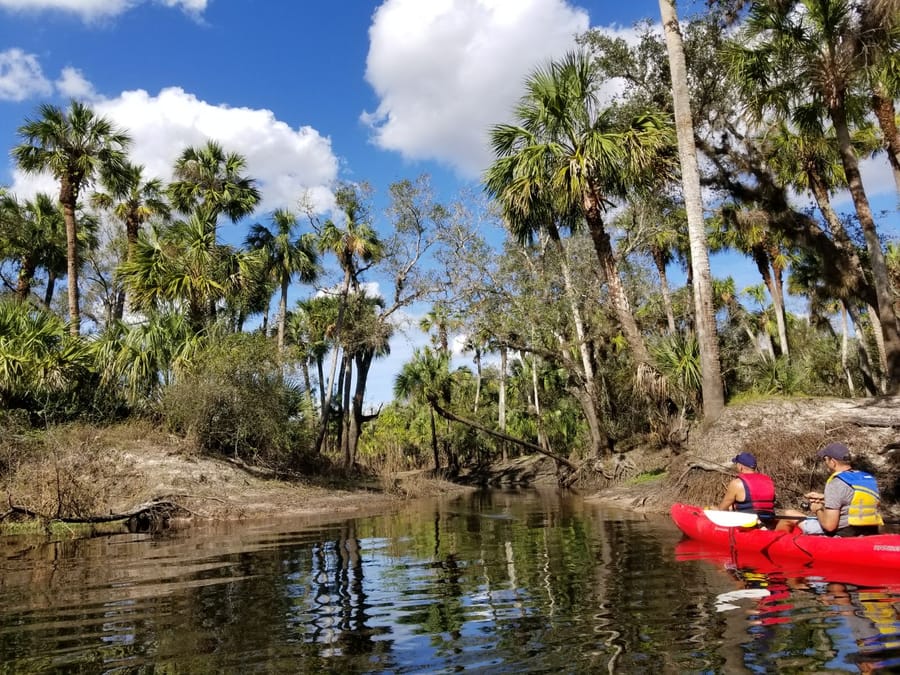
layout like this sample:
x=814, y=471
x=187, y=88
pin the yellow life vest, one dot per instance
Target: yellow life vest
x=863, y=508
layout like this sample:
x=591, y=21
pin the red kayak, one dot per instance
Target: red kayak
x=881, y=550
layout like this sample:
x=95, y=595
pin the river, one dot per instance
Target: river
x=494, y=582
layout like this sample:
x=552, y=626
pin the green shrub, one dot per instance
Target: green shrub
x=236, y=400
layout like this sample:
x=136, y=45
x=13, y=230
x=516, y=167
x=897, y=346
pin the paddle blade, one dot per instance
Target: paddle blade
x=731, y=518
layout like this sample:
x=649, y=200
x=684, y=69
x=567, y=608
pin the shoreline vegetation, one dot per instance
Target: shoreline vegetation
x=154, y=480
x=151, y=373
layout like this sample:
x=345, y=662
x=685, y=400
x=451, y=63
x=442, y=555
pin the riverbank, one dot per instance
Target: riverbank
x=114, y=470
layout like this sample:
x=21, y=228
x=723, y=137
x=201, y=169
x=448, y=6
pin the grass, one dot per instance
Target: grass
x=646, y=477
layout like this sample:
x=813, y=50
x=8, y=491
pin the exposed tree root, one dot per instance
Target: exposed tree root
x=147, y=517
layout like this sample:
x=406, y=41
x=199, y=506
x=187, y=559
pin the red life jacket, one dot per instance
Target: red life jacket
x=759, y=494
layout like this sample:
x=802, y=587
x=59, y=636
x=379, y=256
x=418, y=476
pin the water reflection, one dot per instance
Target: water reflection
x=494, y=582
x=801, y=619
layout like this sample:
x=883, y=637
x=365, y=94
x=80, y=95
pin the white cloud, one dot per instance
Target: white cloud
x=446, y=70
x=21, y=76
x=286, y=162
x=90, y=10
x=72, y=84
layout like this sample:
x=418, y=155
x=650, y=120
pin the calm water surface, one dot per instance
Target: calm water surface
x=492, y=582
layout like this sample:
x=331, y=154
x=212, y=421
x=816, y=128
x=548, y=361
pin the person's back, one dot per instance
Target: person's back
x=751, y=491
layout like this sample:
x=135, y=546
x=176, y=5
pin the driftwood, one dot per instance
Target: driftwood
x=147, y=517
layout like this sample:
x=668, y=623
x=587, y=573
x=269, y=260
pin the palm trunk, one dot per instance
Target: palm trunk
x=713, y=388
x=889, y=328
x=326, y=405
x=660, y=263
x=883, y=105
x=51, y=287
x=501, y=399
x=344, y=388
x=68, y=198
x=845, y=347
x=282, y=313
x=27, y=269
x=762, y=260
x=363, y=361
x=434, y=442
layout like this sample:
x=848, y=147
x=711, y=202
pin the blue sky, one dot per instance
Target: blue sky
x=310, y=92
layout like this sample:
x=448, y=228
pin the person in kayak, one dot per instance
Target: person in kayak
x=751, y=491
x=849, y=505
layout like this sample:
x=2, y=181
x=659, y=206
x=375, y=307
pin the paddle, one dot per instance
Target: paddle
x=743, y=519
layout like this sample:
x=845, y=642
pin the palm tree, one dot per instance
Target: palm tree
x=356, y=246
x=567, y=157
x=284, y=258
x=713, y=388
x=34, y=233
x=210, y=180
x=133, y=201
x=426, y=378
x=76, y=147
x=803, y=57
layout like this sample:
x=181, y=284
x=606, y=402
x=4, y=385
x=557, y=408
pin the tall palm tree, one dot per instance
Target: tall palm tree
x=133, y=201
x=713, y=387
x=568, y=152
x=77, y=147
x=799, y=56
x=285, y=256
x=211, y=181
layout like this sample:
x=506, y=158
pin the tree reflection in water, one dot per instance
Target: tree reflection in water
x=496, y=582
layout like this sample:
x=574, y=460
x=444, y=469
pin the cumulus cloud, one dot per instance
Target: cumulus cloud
x=446, y=71
x=21, y=76
x=287, y=162
x=90, y=10
x=72, y=84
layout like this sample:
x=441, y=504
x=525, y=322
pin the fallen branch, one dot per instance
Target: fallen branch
x=142, y=517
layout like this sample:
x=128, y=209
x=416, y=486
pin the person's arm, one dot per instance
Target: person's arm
x=734, y=492
x=828, y=511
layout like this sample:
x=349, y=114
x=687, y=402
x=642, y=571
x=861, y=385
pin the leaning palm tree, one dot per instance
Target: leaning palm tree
x=426, y=379
x=568, y=156
x=77, y=147
x=285, y=256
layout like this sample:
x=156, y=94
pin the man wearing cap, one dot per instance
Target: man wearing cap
x=751, y=491
x=849, y=505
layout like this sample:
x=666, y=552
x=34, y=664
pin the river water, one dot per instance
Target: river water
x=494, y=582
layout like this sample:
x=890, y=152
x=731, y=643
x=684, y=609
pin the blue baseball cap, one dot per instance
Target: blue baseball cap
x=746, y=458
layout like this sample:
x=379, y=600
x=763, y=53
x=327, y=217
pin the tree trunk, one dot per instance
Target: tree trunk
x=434, y=442
x=27, y=269
x=883, y=105
x=446, y=414
x=660, y=263
x=610, y=267
x=282, y=313
x=889, y=328
x=338, y=324
x=501, y=400
x=363, y=361
x=845, y=347
x=344, y=388
x=68, y=198
x=713, y=388
x=51, y=287
x=477, y=378
x=762, y=260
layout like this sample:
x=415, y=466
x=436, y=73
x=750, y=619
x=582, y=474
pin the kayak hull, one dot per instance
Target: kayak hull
x=881, y=551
